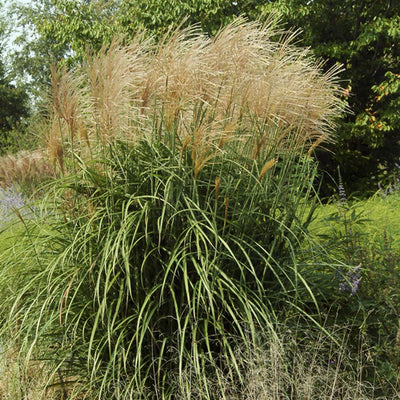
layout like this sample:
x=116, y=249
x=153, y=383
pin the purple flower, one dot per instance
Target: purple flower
x=342, y=195
x=351, y=281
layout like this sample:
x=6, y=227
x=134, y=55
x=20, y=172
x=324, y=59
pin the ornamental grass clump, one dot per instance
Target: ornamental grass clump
x=262, y=97
x=175, y=228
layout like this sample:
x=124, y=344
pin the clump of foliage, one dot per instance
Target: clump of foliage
x=175, y=231
x=14, y=108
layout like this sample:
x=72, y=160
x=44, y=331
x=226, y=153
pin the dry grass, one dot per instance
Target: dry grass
x=33, y=381
x=280, y=368
x=240, y=87
x=25, y=168
x=288, y=368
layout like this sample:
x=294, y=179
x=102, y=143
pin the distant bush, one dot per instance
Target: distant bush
x=13, y=110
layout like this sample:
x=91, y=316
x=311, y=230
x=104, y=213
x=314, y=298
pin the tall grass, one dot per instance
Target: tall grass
x=291, y=366
x=25, y=169
x=176, y=229
x=262, y=97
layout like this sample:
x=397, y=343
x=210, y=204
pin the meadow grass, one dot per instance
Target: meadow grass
x=380, y=213
x=365, y=235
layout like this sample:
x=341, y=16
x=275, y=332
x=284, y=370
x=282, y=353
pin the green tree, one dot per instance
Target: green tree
x=76, y=25
x=13, y=107
x=13, y=100
x=158, y=16
x=56, y=31
x=362, y=35
x=35, y=52
x=71, y=26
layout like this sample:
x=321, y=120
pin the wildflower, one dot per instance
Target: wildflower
x=351, y=281
x=342, y=195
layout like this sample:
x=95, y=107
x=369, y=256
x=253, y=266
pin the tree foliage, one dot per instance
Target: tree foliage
x=362, y=35
x=34, y=51
x=68, y=28
x=12, y=104
x=13, y=100
x=159, y=15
